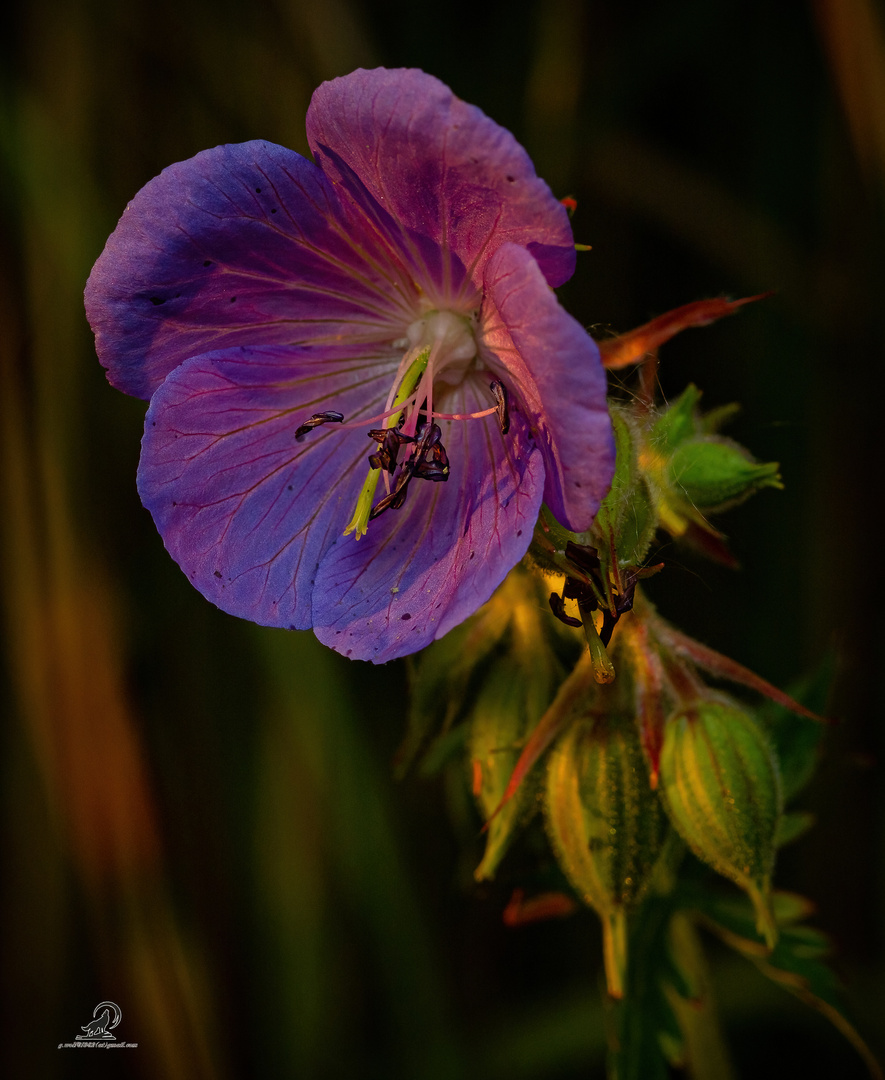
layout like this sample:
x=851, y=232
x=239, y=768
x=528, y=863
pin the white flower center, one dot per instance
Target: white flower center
x=452, y=344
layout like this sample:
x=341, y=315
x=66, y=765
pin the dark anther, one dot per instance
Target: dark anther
x=315, y=421
x=499, y=392
x=557, y=606
x=396, y=498
x=585, y=558
x=390, y=440
x=437, y=468
x=575, y=589
x=429, y=460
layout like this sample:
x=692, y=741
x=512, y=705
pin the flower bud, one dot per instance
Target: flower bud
x=606, y=825
x=510, y=703
x=721, y=786
x=714, y=473
x=693, y=471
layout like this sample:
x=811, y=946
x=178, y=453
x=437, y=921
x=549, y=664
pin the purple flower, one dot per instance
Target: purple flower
x=361, y=385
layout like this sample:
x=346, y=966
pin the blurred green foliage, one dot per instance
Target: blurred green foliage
x=199, y=817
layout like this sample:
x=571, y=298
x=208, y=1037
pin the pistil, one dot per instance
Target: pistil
x=359, y=523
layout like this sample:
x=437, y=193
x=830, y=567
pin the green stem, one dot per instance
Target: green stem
x=614, y=951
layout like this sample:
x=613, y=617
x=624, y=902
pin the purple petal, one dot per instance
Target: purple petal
x=422, y=569
x=246, y=511
x=240, y=245
x=557, y=368
x=445, y=183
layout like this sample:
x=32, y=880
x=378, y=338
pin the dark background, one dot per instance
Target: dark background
x=199, y=817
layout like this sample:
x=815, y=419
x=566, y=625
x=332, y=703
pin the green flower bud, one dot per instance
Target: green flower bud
x=691, y=471
x=714, y=473
x=721, y=786
x=509, y=705
x=606, y=825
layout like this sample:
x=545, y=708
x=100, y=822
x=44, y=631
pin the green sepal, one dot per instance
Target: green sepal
x=676, y=423
x=720, y=784
x=626, y=518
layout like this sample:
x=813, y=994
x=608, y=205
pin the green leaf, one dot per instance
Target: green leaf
x=791, y=826
x=796, y=962
x=797, y=740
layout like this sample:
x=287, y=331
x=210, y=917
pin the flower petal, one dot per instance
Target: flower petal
x=556, y=365
x=422, y=569
x=246, y=511
x=240, y=245
x=442, y=181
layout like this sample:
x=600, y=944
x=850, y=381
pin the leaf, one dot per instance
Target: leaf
x=797, y=739
x=796, y=962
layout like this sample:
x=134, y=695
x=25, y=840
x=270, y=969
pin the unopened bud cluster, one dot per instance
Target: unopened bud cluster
x=596, y=712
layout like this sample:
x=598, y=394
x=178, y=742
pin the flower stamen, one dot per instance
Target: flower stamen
x=316, y=420
x=499, y=392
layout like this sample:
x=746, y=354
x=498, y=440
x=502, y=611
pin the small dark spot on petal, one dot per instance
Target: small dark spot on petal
x=258, y=191
x=274, y=210
x=217, y=573
x=208, y=262
x=157, y=300
x=511, y=179
x=233, y=299
x=577, y=484
x=153, y=423
x=405, y=617
x=519, y=532
x=472, y=553
x=174, y=503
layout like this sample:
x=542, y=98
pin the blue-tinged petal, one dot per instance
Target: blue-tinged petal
x=240, y=245
x=247, y=511
x=529, y=338
x=444, y=183
x=422, y=569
